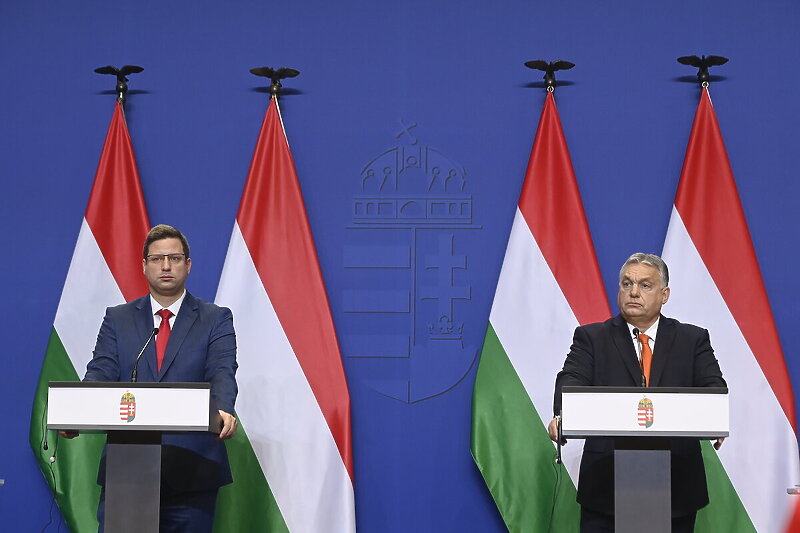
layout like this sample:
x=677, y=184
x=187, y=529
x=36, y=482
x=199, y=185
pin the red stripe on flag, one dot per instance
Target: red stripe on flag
x=551, y=204
x=273, y=221
x=794, y=522
x=116, y=212
x=709, y=205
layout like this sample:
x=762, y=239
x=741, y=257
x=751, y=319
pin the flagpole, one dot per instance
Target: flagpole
x=708, y=232
x=104, y=258
x=275, y=76
x=549, y=69
x=272, y=273
x=512, y=396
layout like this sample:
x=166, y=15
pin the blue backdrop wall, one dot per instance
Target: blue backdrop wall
x=442, y=78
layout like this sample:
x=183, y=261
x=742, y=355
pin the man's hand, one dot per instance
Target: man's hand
x=718, y=444
x=552, y=429
x=68, y=434
x=228, y=425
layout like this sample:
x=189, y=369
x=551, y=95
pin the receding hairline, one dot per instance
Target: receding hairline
x=641, y=258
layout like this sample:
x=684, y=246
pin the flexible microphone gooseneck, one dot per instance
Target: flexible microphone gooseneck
x=639, y=353
x=135, y=373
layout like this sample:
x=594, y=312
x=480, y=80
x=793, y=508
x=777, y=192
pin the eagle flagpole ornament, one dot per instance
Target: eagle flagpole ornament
x=122, y=80
x=549, y=70
x=275, y=75
x=703, y=63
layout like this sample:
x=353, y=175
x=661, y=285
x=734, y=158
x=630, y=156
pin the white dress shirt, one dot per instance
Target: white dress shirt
x=651, y=332
x=175, y=307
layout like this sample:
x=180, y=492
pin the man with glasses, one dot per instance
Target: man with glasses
x=673, y=354
x=195, y=343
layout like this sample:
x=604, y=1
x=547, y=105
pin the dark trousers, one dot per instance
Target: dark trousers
x=592, y=522
x=181, y=512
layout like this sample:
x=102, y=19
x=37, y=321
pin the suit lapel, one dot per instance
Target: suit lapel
x=624, y=344
x=665, y=338
x=144, y=327
x=187, y=315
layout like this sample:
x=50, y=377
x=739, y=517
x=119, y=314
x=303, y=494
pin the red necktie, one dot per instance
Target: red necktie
x=647, y=357
x=163, y=336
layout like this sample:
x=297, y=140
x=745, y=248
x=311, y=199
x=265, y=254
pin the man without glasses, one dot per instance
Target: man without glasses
x=673, y=355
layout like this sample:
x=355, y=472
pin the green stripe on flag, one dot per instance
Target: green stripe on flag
x=725, y=511
x=74, y=473
x=247, y=504
x=513, y=450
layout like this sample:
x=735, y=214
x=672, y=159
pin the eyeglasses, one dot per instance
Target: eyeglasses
x=157, y=259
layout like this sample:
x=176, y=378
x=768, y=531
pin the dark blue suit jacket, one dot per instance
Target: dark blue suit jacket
x=603, y=354
x=201, y=348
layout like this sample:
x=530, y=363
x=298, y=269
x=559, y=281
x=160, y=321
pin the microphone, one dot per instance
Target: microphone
x=135, y=373
x=639, y=353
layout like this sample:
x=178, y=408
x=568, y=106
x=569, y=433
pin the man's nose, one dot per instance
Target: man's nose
x=635, y=290
x=165, y=264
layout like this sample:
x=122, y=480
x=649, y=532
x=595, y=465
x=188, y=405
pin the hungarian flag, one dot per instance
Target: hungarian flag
x=292, y=458
x=549, y=284
x=105, y=270
x=716, y=283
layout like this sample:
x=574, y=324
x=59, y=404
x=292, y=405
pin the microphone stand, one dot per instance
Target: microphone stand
x=135, y=373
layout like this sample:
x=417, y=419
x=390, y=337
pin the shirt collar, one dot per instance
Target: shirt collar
x=651, y=331
x=174, y=308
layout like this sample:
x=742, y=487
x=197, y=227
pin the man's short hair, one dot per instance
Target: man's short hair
x=162, y=231
x=647, y=259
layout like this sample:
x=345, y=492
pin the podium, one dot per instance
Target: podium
x=642, y=420
x=133, y=416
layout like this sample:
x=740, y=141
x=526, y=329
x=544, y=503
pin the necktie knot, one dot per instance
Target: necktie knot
x=165, y=314
x=644, y=339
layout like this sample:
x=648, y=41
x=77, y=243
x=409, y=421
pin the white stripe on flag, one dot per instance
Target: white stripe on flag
x=279, y=412
x=535, y=325
x=760, y=456
x=88, y=290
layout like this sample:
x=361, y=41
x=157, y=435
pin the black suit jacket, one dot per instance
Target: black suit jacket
x=603, y=354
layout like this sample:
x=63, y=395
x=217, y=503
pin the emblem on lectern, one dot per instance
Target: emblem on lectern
x=127, y=407
x=645, y=412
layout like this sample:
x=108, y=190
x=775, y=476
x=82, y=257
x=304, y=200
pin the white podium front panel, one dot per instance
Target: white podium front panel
x=633, y=411
x=129, y=406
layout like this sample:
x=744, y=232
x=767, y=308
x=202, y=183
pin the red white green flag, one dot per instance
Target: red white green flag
x=105, y=270
x=716, y=283
x=292, y=459
x=549, y=284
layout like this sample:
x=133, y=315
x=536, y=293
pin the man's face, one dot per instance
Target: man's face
x=641, y=295
x=166, y=277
